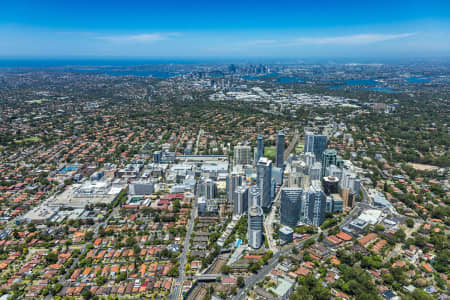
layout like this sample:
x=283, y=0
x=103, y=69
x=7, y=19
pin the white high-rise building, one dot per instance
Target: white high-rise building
x=264, y=181
x=350, y=181
x=296, y=179
x=334, y=171
x=254, y=196
x=309, y=159
x=314, y=206
x=315, y=170
x=255, y=227
x=207, y=189
x=315, y=143
x=242, y=155
x=240, y=205
x=233, y=182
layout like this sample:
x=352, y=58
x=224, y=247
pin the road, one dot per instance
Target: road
x=268, y=224
x=266, y=269
x=252, y=280
x=200, y=133
x=174, y=295
x=291, y=146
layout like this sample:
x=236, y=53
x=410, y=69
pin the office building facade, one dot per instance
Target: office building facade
x=316, y=144
x=314, y=207
x=330, y=185
x=329, y=157
x=254, y=196
x=255, y=227
x=315, y=170
x=207, y=189
x=233, y=182
x=264, y=181
x=242, y=155
x=240, y=204
x=286, y=234
x=291, y=206
x=279, y=159
x=259, y=147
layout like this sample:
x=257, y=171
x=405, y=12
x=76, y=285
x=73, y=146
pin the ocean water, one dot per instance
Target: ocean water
x=91, y=62
x=290, y=79
x=361, y=82
x=248, y=77
x=157, y=74
x=418, y=79
x=113, y=67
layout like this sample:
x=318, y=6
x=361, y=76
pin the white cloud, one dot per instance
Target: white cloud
x=141, y=38
x=260, y=42
x=356, y=39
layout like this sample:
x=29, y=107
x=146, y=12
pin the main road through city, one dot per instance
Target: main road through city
x=252, y=280
x=179, y=281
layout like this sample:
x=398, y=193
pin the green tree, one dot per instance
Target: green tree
x=410, y=222
x=51, y=258
x=225, y=269
x=420, y=294
x=240, y=281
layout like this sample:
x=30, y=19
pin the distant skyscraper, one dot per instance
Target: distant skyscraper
x=233, y=182
x=259, y=147
x=309, y=142
x=314, y=171
x=314, y=206
x=329, y=157
x=201, y=206
x=296, y=179
x=309, y=159
x=207, y=189
x=279, y=160
x=242, y=155
x=315, y=143
x=330, y=185
x=157, y=155
x=240, y=205
x=264, y=180
x=254, y=196
x=334, y=171
x=255, y=227
x=350, y=181
x=348, y=197
x=291, y=204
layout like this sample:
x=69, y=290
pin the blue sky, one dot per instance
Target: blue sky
x=276, y=29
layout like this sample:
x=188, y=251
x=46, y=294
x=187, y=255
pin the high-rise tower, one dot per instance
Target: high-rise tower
x=291, y=204
x=255, y=227
x=279, y=160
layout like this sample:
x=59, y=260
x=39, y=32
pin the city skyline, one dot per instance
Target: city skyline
x=252, y=29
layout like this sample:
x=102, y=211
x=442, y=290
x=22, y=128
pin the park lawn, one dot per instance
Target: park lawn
x=38, y=101
x=269, y=152
x=33, y=139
